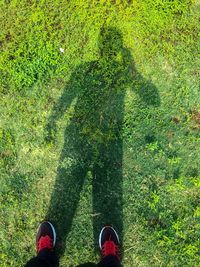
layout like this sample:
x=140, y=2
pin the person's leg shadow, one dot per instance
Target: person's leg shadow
x=107, y=189
x=107, y=169
x=73, y=167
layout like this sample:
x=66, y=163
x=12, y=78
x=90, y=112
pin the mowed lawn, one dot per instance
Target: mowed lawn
x=100, y=123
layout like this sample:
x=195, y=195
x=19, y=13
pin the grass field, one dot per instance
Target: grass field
x=100, y=122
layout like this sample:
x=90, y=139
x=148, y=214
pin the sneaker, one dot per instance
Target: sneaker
x=109, y=242
x=46, y=236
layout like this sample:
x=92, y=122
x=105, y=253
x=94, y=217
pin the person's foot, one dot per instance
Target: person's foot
x=109, y=242
x=46, y=236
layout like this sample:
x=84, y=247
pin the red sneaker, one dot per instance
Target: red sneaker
x=109, y=242
x=46, y=236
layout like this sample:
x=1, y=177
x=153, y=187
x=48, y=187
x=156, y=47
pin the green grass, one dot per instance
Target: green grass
x=118, y=112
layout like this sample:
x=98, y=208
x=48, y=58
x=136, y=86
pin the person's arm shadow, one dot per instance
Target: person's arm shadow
x=145, y=89
x=70, y=92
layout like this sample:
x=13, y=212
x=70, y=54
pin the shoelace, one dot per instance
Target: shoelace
x=109, y=248
x=44, y=242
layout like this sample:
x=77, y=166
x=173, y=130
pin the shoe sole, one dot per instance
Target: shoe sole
x=54, y=233
x=100, y=235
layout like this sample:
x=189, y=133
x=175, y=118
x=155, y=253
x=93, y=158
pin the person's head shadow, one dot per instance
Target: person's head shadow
x=110, y=42
x=93, y=139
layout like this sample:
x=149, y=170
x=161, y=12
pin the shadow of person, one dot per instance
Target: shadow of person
x=93, y=138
